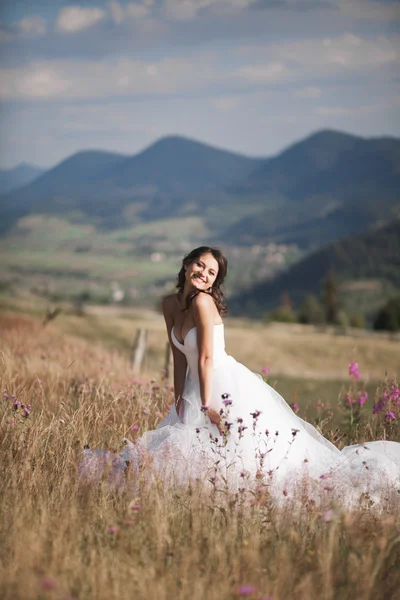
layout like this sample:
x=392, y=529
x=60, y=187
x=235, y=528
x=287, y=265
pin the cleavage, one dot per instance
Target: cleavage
x=182, y=337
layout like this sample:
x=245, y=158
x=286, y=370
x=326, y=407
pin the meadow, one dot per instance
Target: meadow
x=69, y=384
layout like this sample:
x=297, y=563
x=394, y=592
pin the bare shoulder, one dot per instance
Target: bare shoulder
x=204, y=304
x=169, y=304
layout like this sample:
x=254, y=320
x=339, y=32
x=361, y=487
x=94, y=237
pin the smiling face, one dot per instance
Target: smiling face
x=202, y=272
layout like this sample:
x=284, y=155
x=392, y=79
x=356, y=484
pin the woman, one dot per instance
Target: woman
x=227, y=422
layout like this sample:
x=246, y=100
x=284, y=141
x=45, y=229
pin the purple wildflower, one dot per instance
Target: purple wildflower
x=390, y=416
x=295, y=407
x=266, y=370
x=379, y=406
x=255, y=414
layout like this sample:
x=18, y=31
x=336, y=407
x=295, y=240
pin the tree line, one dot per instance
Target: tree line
x=327, y=309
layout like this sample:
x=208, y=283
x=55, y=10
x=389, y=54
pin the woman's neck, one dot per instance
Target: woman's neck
x=187, y=290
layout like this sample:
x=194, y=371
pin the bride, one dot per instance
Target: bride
x=228, y=423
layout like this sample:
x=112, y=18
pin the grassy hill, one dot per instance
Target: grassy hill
x=372, y=258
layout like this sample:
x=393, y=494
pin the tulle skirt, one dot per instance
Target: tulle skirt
x=264, y=443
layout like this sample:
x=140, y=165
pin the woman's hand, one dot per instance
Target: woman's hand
x=215, y=418
x=178, y=406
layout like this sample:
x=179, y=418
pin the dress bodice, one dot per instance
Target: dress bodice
x=190, y=350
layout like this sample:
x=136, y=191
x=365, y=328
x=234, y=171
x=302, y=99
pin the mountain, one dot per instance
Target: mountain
x=17, y=177
x=372, y=256
x=324, y=187
x=172, y=172
x=321, y=189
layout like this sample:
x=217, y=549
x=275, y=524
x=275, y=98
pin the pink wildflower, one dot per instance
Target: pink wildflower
x=362, y=399
x=246, y=590
x=266, y=370
x=134, y=428
x=295, y=407
x=349, y=400
x=353, y=370
x=47, y=583
x=112, y=529
x=328, y=515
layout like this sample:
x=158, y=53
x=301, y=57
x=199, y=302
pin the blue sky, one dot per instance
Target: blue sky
x=247, y=75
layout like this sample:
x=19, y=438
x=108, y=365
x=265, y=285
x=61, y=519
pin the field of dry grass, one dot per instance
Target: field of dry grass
x=62, y=540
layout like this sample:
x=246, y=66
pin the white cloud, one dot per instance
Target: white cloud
x=313, y=58
x=36, y=82
x=66, y=80
x=307, y=64
x=132, y=10
x=34, y=26
x=186, y=10
x=73, y=19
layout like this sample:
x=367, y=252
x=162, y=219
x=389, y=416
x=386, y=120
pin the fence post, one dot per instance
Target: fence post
x=168, y=364
x=139, y=350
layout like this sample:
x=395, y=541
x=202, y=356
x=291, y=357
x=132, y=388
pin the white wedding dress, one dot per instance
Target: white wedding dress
x=265, y=442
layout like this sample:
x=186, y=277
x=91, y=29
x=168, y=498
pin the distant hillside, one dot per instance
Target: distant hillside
x=101, y=186
x=327, y=186
x=372, y=256
x=19, y=176
x=323, y=188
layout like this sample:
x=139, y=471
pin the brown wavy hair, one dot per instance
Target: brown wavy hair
x=216, y=290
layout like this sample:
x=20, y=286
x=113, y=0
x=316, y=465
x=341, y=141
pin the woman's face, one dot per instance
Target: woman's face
x=202, y=272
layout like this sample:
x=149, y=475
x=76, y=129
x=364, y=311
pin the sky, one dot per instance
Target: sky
x=251, y=76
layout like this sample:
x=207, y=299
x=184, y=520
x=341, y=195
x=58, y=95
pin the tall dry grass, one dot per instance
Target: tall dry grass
x=60, y=539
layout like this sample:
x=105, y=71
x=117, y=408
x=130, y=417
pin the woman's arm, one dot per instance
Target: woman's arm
x=180, y=363
x=203, y=312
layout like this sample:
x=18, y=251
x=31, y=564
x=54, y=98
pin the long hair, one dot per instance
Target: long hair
x=216, y=291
